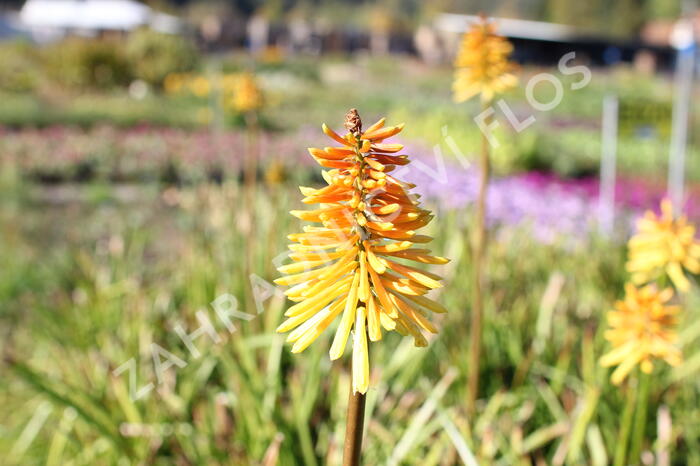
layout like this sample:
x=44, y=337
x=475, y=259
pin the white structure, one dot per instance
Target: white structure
x=52, y=19
x=514, y=28
x=450, y=27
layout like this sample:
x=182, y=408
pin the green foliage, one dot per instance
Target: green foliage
x=664, y=9
x=298, y=67
x=95, y=64
x=87, y=64
x=20, y=71
x=90, y=109
x=618, y=19
x=153, y=55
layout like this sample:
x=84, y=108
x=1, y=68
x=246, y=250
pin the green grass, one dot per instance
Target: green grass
x=91, y=281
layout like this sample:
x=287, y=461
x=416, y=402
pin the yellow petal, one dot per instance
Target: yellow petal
x=428, y=304
x=374, y=263
x=304, y=338
x=298, y=267
x=360, y=355
x=341, y=335
x=373, y=320
x=387, y=322
x=377, y=125
x=676, y=275
x=363, y=292
x=333, y=135
x=319, y=300
x=621, y=372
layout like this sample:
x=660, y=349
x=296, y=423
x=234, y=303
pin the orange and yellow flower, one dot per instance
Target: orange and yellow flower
x=664, y=244
x=350, y=266
x=482, y=65
x=247, y=96
x=642, y=329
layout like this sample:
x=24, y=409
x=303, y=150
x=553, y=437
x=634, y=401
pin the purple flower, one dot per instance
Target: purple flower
x=552, y=208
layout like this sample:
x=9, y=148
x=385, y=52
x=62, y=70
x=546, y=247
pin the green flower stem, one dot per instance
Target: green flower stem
x=626, y=424
x=640, y=418
x=354, y=427
x=478, y=272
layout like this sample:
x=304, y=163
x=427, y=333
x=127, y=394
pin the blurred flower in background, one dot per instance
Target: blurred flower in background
x=664, y=244
x=482, y=64
x=238, y=93
x=247, y=95
x=200, y=86
x=642, y=330
x=519, y=200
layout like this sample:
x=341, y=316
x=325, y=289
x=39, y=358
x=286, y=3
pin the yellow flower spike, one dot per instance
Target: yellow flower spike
x=341, y=270
x=642, y=330
x=482, y=65
x=200, y=86
x=664, y=245
x=247, y=95
x=174, y=83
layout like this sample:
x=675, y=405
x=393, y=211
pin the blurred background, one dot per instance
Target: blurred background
x=132, y=135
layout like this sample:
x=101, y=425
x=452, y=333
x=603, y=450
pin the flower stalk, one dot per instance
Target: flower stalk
x=354, y=427
x=247, y=100
x=250, y=170
x=640, y=415
x=625, y=426
x=478, y=271
x=630, y=440
x=355, y=417
x=482, y=68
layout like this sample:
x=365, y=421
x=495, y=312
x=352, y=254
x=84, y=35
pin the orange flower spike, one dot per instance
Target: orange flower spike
x=340, y=270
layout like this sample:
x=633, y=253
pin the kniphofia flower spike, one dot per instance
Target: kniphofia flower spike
x=664, y=244
x=642, y=329
x=247, y=95
x=482, y=65
x=351, y=265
